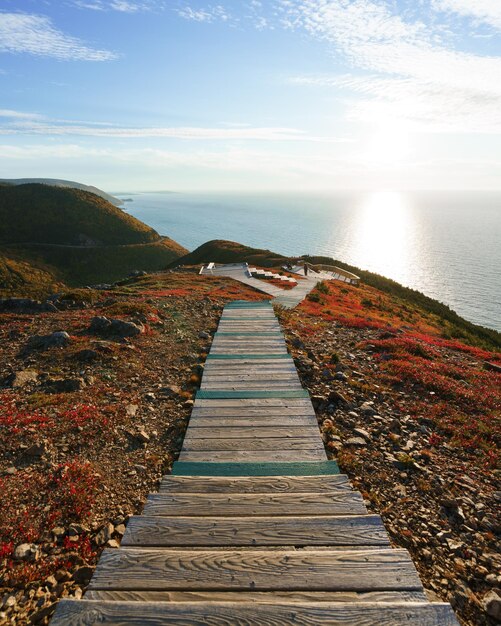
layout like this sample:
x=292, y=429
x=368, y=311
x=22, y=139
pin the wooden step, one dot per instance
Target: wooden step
x=277, y=422
x=255, y=570
x=259, y=596
x=252, y=456
x=310, y=441
x=92, y=612
x=333, y=484
x=246, y=432
x=326, y=530
x=266, y=468
x=341, y=502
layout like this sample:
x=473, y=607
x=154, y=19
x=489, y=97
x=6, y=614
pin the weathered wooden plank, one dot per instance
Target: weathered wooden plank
x=251, y=431
x=257, y=395
x=246, y=368
x=256, y=570
x=330, y=484
x=244, y=504
x=231, y=376
x=92, y=612
x=252, y=411
x=311, y=442
x=261, y=597
x=293, y=421
x=252, y=333
x=252, y=456
x=248, y=357
x=266, y=468
x=256, y=402
x=268, y=383
x=322, y=530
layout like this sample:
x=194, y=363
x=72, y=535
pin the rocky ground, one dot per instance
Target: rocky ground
x=95, y=391
x=414, y=421
x=96, y=388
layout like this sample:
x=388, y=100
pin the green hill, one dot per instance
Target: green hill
x=37, y=213
x=53, y=235
x=57, y=182
x=222, y=251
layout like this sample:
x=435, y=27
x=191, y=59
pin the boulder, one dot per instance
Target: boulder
x=22, y=378
x=64, y=385
x=101, y=325
x=58, y=339
x=25, y=305
x=492, y=604
x=26, y=552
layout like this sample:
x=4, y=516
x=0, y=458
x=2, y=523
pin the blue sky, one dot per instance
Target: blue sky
x=278, y=95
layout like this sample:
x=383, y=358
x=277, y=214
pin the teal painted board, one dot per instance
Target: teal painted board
x=248, y=356
x=315, y=468
x=223, y=394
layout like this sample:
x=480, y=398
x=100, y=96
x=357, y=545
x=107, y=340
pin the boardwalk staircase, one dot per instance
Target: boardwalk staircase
x=254, y=525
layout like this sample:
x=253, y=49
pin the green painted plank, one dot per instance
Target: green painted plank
x=224, y=394
x=194, y=468
x=248, y=356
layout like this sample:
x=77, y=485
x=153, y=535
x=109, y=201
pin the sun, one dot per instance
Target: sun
x=387, y=145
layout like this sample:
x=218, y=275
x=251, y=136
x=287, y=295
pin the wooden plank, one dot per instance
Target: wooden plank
x=258, y=357
x=252, y=456
x=294, y=421
x=251, y=431
x=247, y=334
x=256, y=570
x=311, y=442
x=330, y=484
x=92, y=612
x=266, y=382
x=248, y=504
x=252, y=411
x=311, y=530
x=251, y=395
x=240, y=403
x=303, y=468
x=261, y=597
x=230, y=376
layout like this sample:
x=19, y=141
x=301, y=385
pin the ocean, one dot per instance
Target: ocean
x=445, y=244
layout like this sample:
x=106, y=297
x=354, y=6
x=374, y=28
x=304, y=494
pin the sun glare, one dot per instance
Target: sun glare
x=388, y=145
x=381, y=234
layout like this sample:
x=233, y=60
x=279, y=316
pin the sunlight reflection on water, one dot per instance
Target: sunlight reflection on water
x=380, y=233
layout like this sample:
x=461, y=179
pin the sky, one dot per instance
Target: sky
x=145, y=95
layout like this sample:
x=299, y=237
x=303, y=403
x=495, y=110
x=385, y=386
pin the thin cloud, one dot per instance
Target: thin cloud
x=36, y=35
x=19, y=115
x=417, y=76
x=27, y=124
x=209, y=14
x=122, y=6
x=484, y=11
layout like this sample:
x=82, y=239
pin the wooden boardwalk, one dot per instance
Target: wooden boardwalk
x=254, y=526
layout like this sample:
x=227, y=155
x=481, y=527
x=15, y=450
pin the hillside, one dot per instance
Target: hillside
x=37, y=213
x=55, y=182
x=222, y=251
x=91, y=420
x=51, y=235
